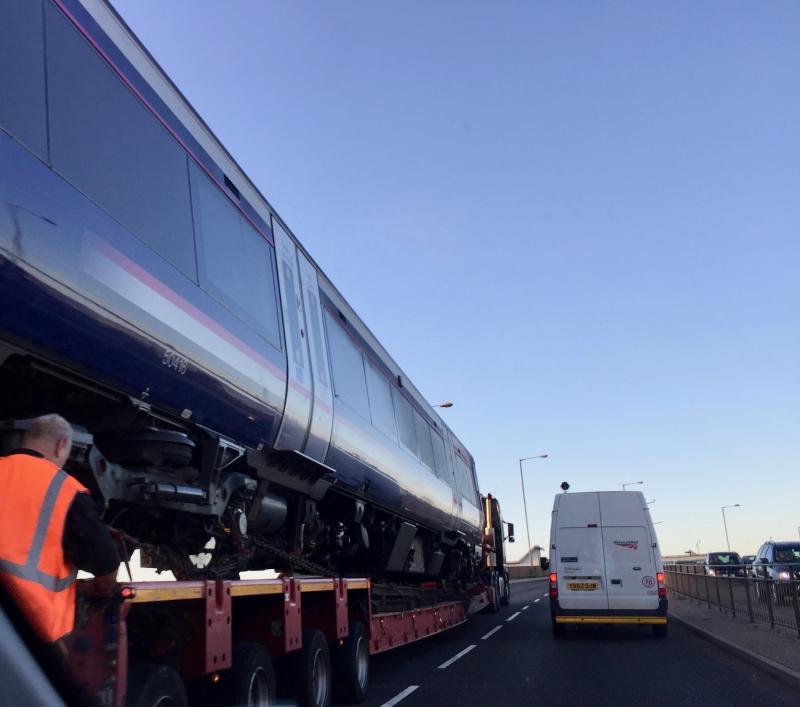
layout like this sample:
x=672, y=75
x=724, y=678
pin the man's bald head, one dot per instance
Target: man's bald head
x=50, y=435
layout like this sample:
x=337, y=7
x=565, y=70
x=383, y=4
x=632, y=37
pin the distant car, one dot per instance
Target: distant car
x=747, y=561
x=724, y=564
x=780, y=562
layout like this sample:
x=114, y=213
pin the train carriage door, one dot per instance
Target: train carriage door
x=299, y=384
x=451, y=475
x=319, y=434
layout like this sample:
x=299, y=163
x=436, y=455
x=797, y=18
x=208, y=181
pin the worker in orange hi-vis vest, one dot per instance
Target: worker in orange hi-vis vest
x=49, y=529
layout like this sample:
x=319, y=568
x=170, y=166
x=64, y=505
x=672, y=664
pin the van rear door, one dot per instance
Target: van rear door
x=581, y=572
x=630, y=568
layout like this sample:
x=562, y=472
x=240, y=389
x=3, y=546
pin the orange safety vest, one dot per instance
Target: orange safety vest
x=35, y=496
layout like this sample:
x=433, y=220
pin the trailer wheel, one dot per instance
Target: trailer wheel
x=251, y=680
x=351, y=666
x=310, y=671
x=155, y=686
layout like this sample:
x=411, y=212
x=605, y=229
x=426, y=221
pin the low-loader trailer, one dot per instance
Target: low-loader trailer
x=249, y=642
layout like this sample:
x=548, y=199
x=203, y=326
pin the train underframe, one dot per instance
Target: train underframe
x=200, y=505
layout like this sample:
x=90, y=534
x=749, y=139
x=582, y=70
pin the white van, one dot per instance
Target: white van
x=605, y=565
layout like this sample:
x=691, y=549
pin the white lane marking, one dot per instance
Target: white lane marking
x=545, y=594
x=537, y=599
x=492, y=632
x=525, y=607
x=400, y=696
x=513, y=616
x=452, y=660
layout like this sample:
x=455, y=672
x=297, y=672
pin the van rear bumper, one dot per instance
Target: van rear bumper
x=610, y=619
x=610, y=616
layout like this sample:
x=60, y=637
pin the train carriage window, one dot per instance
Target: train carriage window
x=424, y=440
x=405, y=422
x=380, y=402
x=347, y=363
x=112, y=148
x=438, y=455
x=237, y=266
x=22, y=86
x=466, y=481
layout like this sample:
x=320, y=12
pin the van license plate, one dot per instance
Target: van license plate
x=582, y=586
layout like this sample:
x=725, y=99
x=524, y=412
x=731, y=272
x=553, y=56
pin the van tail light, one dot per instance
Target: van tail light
x=662, y=585
x=554, y=585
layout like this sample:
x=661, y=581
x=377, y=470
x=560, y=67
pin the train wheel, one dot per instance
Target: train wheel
x=351, y=666
x=155, y=686
x=310, y=671
x=251, y=681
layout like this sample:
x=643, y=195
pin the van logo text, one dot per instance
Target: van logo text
x=630, y=544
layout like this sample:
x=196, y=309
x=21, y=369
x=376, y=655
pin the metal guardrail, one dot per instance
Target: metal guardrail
x=760, y=598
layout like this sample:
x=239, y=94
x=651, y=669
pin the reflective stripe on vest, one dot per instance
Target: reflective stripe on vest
x=30, y=570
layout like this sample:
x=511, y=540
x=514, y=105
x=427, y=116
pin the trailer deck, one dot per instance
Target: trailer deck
x=193, y=626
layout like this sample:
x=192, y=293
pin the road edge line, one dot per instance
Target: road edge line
x=770, y=666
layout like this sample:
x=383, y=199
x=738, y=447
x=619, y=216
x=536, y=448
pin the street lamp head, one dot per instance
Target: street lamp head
x=447, y=404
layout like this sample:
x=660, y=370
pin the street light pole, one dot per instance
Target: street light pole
x=725, y=523
x=525, y=504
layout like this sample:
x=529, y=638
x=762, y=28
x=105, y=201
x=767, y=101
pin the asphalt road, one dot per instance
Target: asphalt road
x=512, y=658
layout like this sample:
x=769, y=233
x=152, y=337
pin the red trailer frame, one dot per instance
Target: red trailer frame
x=192, y=625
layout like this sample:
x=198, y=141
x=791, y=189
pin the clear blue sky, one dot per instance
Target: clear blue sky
x=578, y=221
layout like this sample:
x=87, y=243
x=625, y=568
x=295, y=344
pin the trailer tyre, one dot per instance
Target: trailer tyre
x=250, y=682
x=310, y=671
x=155, y=686
x=351, y=666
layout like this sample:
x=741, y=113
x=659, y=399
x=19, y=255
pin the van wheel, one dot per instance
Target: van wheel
x=659, y=630
x=250, y=682
x=558, y=629
x=155, y=686
x=310, y=671
x=351, y=666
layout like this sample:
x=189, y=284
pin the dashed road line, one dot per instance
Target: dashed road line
x=452, y=660
x=492, y=632
x=513, y=616
x=545, y=594
x=537, y=599
x=400, y=696
x=525, y=607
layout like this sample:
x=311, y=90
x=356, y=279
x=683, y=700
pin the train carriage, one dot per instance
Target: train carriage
x=223, y=387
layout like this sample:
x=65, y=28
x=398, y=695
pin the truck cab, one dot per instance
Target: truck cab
x=605, y=565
